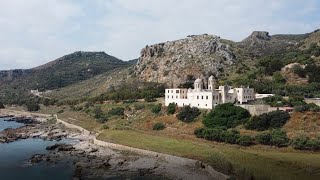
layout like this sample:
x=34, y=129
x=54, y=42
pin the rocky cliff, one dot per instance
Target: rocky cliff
x=173, y=62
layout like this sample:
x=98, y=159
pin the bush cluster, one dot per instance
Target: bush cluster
x=303, y=142
x=118, y=111
x=188, y=114
x=275, y=137
x=33, y=106
x=226, y=115
x=158, y=126
x=222, y=135
x=274, y=119
x=156, y=108
x=171, y=109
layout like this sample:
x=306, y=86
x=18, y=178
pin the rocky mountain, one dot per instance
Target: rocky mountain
x=177, y=62
x=260, y=43
x=174, y=62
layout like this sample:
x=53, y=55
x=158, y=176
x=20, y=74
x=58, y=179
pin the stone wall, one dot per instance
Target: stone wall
x=257, y=109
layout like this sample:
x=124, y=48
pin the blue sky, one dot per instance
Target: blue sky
x=34, y=32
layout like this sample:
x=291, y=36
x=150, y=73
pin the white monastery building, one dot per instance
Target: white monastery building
x=208, y=97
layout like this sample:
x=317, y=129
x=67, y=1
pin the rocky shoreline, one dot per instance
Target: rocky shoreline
x=91, y=161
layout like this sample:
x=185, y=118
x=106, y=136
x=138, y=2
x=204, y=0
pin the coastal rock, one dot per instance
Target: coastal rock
x=60, y=147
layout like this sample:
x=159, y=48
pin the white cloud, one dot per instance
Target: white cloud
x=36, y=31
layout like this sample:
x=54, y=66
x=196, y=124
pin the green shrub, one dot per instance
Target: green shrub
x=279, y=138
x=171, y=109
x=264, y=138
x=118, y=111
x=102, y=119
x=138, y=106
x=158, y=126
x=300, y=142
x=274, y=119
x=32, y=106
x=199, y=132
x=313, y=107
x=1, y=105
x=188, y=114
x=213, y=134
x=313, y=144
x=300, y=108
x=156, y=108
x=226, y=115
x=245, y=140
x=97, y=112
x=297, y=69
x=231, y=136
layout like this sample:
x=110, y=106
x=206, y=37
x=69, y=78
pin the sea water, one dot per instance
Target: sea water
x=14, y=158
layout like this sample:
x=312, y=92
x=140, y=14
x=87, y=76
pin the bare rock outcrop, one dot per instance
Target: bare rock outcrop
x=173, y=61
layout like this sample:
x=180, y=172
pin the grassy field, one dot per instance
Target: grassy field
x=252, y=162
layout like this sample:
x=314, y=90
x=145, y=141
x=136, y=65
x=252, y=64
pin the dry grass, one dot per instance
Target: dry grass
x=307, y=123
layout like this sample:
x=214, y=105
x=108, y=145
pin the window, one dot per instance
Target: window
x=201, y=97
x=198, y=104
x=207, y=97
x=177, y=97
x=206, y=105
x=168, y=97
x=177, y=91
x=171, y=91
x=168, y=91
x=172, y=97
x=197, y=97
x=182, y=104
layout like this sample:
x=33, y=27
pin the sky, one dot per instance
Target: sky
x=34, y=32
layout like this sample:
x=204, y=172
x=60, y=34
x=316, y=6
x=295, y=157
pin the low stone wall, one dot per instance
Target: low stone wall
x=257, y=109
x=168, y=158
x=72, y=126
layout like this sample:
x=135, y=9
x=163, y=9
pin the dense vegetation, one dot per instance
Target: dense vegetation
x=156, y=108
x=226, y=115
x=132, y=91
x=265, y=77
x=1, y=105
x=171, y=109
x=188, y=114
x=271, y=120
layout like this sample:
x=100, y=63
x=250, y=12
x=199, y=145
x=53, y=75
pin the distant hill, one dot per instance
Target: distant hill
x=62, y=72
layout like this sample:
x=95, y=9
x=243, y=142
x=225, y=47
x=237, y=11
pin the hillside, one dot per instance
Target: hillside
x=62, y=72
x=174, y=62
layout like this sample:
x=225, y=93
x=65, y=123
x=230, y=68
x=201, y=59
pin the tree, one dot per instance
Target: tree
x=264, y=138
x=171, y=109
x=32, y=106
x=226, y=115
x=274, y=119
x=1, y=105
x=279, y=138
x=118, y=111
x=156, y=108
x=188, y=114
